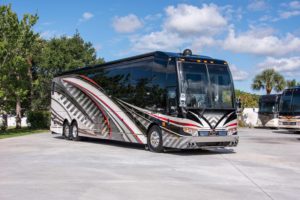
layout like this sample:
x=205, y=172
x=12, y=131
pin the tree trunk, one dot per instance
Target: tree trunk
x=29, y=61
x=268, y=90
x=18, y=113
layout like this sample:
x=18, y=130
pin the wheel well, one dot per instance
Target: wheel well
x=65, y=122
x=74, y=121
x=150, y=126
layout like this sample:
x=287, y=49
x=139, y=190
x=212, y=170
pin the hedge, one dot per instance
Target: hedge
x=38, y=119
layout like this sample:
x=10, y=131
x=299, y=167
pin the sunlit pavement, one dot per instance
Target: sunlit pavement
x=265, y=165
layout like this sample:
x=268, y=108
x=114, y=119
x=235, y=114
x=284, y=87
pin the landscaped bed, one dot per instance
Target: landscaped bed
x=12, y=132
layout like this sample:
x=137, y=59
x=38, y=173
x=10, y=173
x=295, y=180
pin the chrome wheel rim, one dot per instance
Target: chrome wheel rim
x=67, y=131
x=154, y=139
x=74, y=131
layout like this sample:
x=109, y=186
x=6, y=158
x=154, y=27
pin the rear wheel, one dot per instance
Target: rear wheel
x=66, y=130
x=74, y=131
x=154, y=140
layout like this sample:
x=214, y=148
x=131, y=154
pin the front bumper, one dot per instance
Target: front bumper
x=197, y=142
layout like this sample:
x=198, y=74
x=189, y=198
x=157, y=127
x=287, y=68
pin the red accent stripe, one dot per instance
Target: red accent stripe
x=111, y=110
x=234, y=124
x=88, y=79
x=175, y=122
x=98, y=106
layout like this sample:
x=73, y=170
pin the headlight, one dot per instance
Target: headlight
x=193, y=132
x=232, y=131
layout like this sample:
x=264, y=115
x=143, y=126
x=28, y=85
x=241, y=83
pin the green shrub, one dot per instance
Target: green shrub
x=3, y=122
x=38, y=119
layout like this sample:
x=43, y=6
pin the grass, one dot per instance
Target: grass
x=12, y=132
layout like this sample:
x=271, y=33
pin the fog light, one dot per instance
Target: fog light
x=232, y=131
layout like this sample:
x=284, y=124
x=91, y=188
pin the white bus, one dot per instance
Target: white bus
x=289, y=110
x=160, y=99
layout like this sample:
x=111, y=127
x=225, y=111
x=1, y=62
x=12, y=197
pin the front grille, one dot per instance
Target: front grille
x=212, y=133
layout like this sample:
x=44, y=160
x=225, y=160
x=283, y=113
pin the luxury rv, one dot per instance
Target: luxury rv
x=289, y=109
x=268, y=111
x=159, y=99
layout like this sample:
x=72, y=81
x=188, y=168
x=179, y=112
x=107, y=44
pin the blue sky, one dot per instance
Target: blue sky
x=250, y=35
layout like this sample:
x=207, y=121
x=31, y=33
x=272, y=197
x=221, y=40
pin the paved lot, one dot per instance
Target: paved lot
x=265, y=165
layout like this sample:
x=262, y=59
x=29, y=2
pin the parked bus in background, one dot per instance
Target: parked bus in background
x=268, y=111
x=289, y=109
x=160, y=99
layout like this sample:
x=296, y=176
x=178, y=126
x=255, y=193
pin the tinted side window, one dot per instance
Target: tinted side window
x=296, y=100
x=171, y=75
x=140, y=82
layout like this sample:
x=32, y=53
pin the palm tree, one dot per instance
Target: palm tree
x=269, y=79
x=291, y=83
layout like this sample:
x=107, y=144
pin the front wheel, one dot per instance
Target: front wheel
x=66, y=130
x=154, y=139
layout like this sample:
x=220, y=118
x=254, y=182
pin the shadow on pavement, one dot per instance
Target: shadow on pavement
x=181, y=152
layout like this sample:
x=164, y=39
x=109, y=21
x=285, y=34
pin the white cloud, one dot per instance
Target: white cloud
x=48, y=34
x=189, y=20
x=98, y=47
x=257, y=5
x=184, y=25
x=204, y=41
x=160, y=40
x=294, y=4
x=288, y=14
x=86, y=16
x=290, y=64
x=127, y=24
x=261, y=41
x=237, y=74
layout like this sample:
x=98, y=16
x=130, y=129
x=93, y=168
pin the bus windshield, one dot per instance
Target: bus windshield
x=207, y=86
x=267, y=107
x=286, y=99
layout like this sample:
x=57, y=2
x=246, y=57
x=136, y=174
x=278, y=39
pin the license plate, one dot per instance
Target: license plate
x=289, y=123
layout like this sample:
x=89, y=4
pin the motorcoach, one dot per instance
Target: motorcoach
x=289, y=109
x=160, y=99
x=268, y=111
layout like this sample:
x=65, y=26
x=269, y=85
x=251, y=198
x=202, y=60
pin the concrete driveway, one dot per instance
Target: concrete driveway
x=265, y=165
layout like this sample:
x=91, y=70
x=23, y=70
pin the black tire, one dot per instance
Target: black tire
x=154, y=139
x=66, y=131
x=74, y=131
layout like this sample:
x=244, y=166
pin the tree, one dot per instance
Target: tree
x=16, y=41
x=248, y=100
x=58, y=55
x=269, y=79
x=291, y=83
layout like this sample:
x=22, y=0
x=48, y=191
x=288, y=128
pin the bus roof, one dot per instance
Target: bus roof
x=295, y=87
x=157, y=54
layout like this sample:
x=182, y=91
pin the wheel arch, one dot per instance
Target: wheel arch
x=66, y=122
x=151, y=125
x=74, y=121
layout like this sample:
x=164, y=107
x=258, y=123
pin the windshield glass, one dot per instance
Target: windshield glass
x=296, y=100
x=267, y=107
x=286, y=99
x=195, y=84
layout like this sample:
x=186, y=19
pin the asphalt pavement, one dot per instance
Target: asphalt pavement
x=265, y=165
